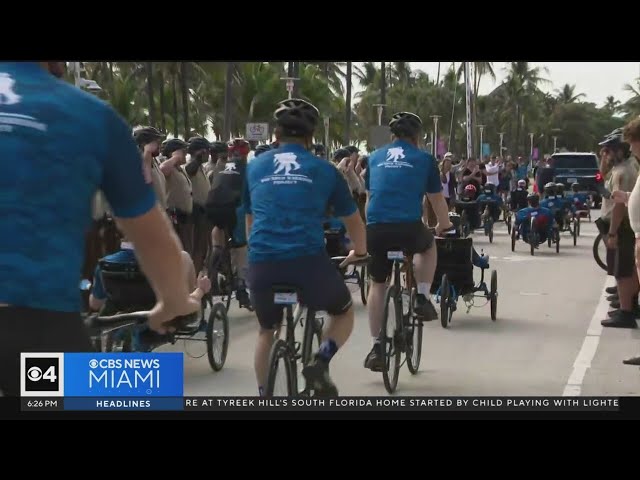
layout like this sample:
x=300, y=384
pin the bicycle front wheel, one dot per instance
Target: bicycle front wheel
x=598, y=250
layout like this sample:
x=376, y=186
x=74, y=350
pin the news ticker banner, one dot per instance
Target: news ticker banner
x=154, y=382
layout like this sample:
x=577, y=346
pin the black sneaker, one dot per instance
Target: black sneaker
x=243, y=299
x=611, y=290
x=424, y=309
x=632, y=361
x=621, y=320
x=615, y=304
x=316, y=375
x=635, y=311
x=375, y=359
x=613, y=297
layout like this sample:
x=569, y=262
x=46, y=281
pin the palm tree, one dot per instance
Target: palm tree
x=367, y=75
x=632, y=106
x=152, y=109
x=612, y=105
x=567, y=94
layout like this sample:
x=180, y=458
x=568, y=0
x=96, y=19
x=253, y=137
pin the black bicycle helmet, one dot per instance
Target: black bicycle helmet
x=550, y=188
x=456, y=221
x=261, y=149
x=405, y=124
x=145, y=135
x=170, y=146
x=560, y=188
x=218, y=147
x=296, y=117
x=575, y=187
x=319, y=149
x=340, y=154
x=489, y=189
x=614, y=139
x=533, y=199
x=198, y=143
x=352, y=149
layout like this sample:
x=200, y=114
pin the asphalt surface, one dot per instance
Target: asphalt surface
x=547, y=339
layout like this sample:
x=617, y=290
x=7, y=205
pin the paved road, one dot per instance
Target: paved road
x=547, y=339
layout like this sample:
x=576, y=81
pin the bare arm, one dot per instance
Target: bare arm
x=356, y=232
x=439, y=205
x=160, y=256
x=95, y=304
x=248, y=223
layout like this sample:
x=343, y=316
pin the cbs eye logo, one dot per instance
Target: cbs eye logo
x=41, y=374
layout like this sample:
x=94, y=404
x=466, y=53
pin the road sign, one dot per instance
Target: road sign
x=486, y=149
x=257, y=131
x=379, y=135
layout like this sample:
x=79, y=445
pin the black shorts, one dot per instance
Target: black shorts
x=319, y=283
x=31, y=330
x=621, y=261
x=412, y=238
x=223, y=216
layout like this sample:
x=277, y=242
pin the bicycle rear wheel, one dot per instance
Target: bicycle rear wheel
x=311, y=337
x=413, y=334
x=390, y=341
x=596, y=252
x=280, y=381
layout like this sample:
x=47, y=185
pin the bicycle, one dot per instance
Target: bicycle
x=222, y=275
x=294, y=354
x=405, y=335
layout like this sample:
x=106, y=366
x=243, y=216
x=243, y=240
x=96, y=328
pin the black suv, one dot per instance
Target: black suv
x=571, y=167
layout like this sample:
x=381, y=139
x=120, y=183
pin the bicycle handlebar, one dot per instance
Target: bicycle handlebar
x=362, y=261
x=114, y=322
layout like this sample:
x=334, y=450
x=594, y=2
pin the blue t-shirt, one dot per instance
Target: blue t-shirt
x=59, y=145
x=397, y=179
x=525, y=213
x=579, y=200
x=125, y=255
x=490, y=198
x=288, y=192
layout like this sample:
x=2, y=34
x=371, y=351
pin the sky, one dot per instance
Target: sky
x=597, y=80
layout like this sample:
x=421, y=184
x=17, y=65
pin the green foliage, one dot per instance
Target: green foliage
x=516, y=107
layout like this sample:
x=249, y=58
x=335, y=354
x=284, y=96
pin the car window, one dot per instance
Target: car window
x=575, y=161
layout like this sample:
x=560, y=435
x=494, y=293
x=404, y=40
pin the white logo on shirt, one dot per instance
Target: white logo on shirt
x=230, y=167
x=394, y=155
x=7, y=95
x=285, y=162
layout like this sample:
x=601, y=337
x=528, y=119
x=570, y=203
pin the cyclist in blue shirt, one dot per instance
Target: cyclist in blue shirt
x=287, y=193
x=398, y=178
x=579, y=199
x=489, y=198
x=543, y=219
x=567, y=208
x=63, y=145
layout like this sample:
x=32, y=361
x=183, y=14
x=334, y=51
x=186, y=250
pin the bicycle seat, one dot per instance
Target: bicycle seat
x=126, y=286
x=285, y=294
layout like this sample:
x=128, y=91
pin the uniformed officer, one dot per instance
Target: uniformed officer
x=198, y=150
x=179, y=191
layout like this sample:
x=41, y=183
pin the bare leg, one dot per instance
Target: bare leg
x=261, y=357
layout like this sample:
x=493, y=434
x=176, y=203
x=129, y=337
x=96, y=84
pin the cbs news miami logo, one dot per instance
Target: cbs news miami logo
x=101, y=374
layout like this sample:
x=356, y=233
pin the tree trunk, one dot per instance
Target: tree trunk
x=228, y=96
x=163, y=123
x=152, y=107
x=185, y=98
x=383, y=89
x=438, y=77
x=347, y=125
x=296, y=74
x=176, y=118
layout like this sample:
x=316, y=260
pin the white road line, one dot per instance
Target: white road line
x=589, y=346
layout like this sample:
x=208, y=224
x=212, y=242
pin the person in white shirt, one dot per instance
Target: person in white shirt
x=493, y=171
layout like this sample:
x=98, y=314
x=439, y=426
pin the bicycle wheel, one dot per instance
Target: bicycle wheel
x=491, y=232
x=514, y=234
x=217, y=336
x=578, y=226
x=311, y=337
x=390, y=341
x=413, y=335
x=493, y=293
x=574, y=232
x=364, y=284
x=280, y=380
x=596, y=252
x=508, y=222
x=445, y=293
x=464, y=224
x=557, y=237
